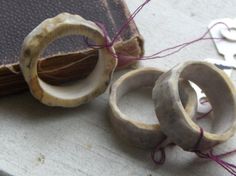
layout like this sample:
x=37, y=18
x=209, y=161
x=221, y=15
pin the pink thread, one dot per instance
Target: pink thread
x=175, y=49
x=123, y=59
x=183, y=45
x=204, y=101
x=131, y=18
x=160, y=149
x=162, y=159
x=120, y=31
x=231, y=168
x=204, y=115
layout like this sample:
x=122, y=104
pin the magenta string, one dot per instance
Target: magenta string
x=123, y=58
x=204, y=115
x=162, y=152
x=231, y=168
x=120, y=31
x=185, y=44
x=131, y=18
x=161, y=54
x=203, y=101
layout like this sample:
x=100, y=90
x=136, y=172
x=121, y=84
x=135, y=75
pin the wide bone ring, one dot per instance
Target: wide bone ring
x=70, y=94
x=135, y=132
x=174, y=120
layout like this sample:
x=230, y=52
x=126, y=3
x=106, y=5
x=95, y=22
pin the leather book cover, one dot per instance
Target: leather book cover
x=63, y=59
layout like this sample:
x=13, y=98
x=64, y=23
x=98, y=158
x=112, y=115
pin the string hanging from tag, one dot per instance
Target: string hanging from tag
x=161, y=150
x=123, y=59
x=231, y=168
x=203, y=101
x=160, y=54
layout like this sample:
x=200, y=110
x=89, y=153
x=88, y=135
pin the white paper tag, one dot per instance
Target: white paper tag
x=225, y=28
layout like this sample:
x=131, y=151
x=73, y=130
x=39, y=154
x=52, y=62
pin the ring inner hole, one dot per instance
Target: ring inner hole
x=216, y=92
x=76, y=88
x=205, y=120
x=134, y=98
x=63, y=57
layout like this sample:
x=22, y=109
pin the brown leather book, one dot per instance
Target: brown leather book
x=61, y=61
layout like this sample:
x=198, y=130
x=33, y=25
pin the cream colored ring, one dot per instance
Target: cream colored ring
x=136, y=132
x=174, y=120
x=73, y=94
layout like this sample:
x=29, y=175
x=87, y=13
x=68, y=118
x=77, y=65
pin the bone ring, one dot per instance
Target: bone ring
x=174, y=120
x=135, y=132
x=70, y=94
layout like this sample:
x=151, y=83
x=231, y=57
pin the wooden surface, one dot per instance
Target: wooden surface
x=37, y=140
